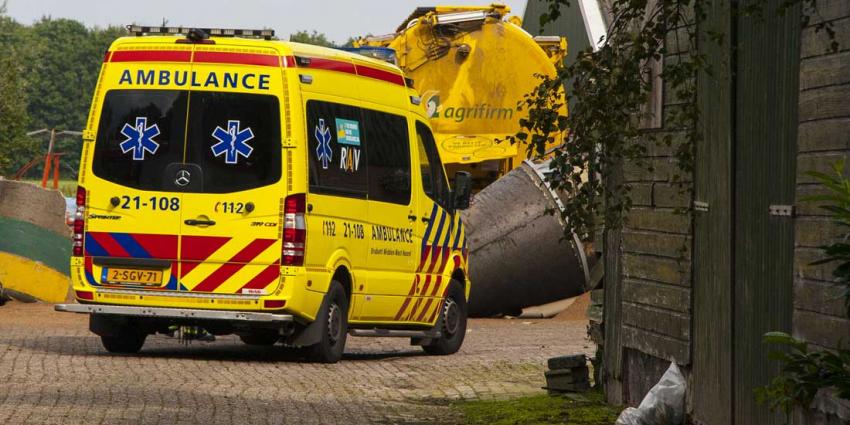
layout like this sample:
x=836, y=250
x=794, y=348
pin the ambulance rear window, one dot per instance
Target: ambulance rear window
x=234, y=138
x=140, y=133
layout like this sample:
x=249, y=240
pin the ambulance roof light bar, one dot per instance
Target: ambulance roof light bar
x=140, y=30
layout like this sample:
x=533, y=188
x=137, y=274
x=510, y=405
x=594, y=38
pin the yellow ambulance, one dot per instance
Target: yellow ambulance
x=231, y=183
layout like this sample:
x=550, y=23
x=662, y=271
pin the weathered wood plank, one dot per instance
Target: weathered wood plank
x=823, y=297
x=816, y=44
x=641, y=194
x=657, y=294
x=813, y=232
x=651, y=169
x=829, y=10
x=658, y=220
x=803, y=268
x=825, y=102
x=670, y=196
x=808, y=208
x=665, y=322
x=657, y=269
x=821, y=162
x=660, y=148
x=657, y=345
x=827, y=70
x=824, y=135
x=662, y=244
x=826, y=331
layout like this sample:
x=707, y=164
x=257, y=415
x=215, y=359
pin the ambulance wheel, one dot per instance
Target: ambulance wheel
x=334, y=327
x=262, y=338
x=452, y=323
x=124, y=343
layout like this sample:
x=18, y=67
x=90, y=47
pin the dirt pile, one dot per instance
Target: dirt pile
x=27, y=202
x=577, y=310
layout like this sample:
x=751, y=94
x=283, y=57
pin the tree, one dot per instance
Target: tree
x=15, y=147
x=314, y=37
x=62, y=66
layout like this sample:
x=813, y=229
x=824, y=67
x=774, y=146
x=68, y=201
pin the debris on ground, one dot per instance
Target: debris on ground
x=20, y=296
x=577, y=310
x=3, y=297
x=567, y=374
x=663, y=405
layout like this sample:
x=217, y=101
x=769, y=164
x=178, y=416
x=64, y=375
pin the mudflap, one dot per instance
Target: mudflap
x=312, y=333
x=435, y=329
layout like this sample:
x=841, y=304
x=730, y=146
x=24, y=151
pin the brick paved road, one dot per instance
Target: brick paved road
x=52, y=370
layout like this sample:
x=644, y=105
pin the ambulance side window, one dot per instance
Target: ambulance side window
x=389, y=157
x=433, y=177
x=337, y=155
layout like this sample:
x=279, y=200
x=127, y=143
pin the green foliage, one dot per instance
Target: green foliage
x=13, y=118
x=610, y=88
x=838, y=205
x=49, y=69
x=803, y=374
x=63, y=67
x=13, y=99
x=575, y=409
x=314, y=37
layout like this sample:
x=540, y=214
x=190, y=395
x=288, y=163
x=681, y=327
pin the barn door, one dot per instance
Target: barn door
x=767, y=93
x=713, y=246
x=743, y=241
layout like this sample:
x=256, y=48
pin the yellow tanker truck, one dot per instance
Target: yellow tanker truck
x=472, y=65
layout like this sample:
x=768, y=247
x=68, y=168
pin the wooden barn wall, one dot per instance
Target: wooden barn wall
x=656, y=256
x=823, y=138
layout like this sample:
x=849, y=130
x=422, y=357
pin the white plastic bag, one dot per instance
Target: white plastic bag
x=663, y=405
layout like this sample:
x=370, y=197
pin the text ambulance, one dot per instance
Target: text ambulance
x=283, y=192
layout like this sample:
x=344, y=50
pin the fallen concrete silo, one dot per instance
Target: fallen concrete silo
x=518, y=254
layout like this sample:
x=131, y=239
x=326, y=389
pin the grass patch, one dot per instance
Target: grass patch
x=575, y=409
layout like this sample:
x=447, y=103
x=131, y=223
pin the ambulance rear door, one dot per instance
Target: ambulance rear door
x=232, y=206
x=133, y=217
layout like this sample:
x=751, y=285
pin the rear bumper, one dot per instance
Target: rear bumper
x=175, y=313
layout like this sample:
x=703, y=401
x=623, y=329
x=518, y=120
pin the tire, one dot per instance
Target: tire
x=260, y=338
x=452, y=322
x=125, y=343
x=334, y=327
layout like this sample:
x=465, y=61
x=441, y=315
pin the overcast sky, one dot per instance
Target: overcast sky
x=338, y=19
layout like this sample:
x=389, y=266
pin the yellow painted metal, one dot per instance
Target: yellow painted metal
x=473, y=65
x=33, y=278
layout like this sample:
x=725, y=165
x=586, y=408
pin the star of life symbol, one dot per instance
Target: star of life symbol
x=140, y=138
x=323, y=136
x=232, y=142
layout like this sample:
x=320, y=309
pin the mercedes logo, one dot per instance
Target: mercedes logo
x=182, y=178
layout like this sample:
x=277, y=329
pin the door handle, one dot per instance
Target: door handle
x=426, y=219
x=411, y=217
x=195, y=222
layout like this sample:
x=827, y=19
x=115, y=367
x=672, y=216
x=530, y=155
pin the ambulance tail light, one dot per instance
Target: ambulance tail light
x=79, y=222
x=294, y=229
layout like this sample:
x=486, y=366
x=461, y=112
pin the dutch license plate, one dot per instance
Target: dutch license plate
x=135, y=276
